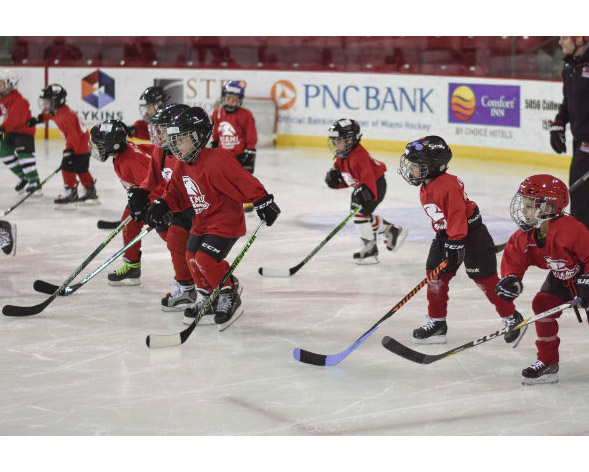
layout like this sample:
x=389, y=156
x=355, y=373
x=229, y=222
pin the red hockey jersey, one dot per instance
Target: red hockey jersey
x=159, y=173
x=132, y=164
x=447, y=204
x=141, y=130
x=359, y=168
x=234, y=131
x=217, y=187
x=73, y=130
x=15, y=111
x=565, y=251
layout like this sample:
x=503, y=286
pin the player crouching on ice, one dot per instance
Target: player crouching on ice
x=354, y=167
x=217, y=187
x=461, y=236
x=548, y=239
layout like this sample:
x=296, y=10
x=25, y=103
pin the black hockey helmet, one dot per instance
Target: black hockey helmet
x=150, y=100
x=108, y=138
x=424, y=159
x=188, y=133
x=344, y=135
x=160, y=121
x=52, y=98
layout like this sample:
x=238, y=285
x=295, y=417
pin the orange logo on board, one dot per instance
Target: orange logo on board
x=284, y=94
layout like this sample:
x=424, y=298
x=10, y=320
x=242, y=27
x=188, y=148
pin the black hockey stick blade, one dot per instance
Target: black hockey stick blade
x=14, y=310
x=45, y=287
x=102, y=224
x=500, y=247
x=284, y=272
x=421, y=358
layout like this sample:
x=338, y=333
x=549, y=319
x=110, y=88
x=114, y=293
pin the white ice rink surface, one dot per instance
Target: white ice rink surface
x=82, y=368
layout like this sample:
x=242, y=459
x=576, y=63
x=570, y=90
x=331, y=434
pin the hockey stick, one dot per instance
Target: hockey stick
x=580, y=181
x=176, y=339
x=46, y=287
x=13, y=310
x=101, y=224
x=293, y=270
x=29, y=194
x=332, y=359
x=395, y=346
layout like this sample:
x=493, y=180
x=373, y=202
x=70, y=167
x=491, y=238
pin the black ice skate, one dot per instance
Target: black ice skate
x=432, y=332
x=191, y=312
x=368, y=254
x=513, y=320
x=8, y=238
x=181, y=298
x=68, y=200
x=127, y=275
x=89, y=197
x=34, y=187
x=21, y=185
x=228, y=307
x=394, y=236
x=540, y=373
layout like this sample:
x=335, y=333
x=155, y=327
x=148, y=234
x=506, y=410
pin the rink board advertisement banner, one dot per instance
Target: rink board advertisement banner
x=495, y=113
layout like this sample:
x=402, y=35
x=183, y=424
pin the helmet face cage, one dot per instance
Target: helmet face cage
x=10, y=80
x=150, y=100
x=232, y=89
x=413, y=172
x=52, y=97
x=189, y=133
x=161, y=120
x=344, y=135
x=424, y=159
x=107, y=139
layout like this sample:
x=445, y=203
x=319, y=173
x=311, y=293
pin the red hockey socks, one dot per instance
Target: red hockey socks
x=437, y=295
x=487, y=285
x=547, y=328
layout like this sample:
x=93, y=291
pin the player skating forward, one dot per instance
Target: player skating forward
x=160, y=170
x=235, y=128
x=354, y=167
x=8, y=238
x=150, y=100
x=76, y=155
x=548, y=239
x=17, y=138
x=461, y=236
x=217, y=186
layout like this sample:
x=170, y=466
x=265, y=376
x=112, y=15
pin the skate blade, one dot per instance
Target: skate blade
x=545, y=379
x=124, y=282
x=432, y=340
x=400, y=240
x=66, y=206
x=94, y=201
x=236, y=315
x=181, y=307
x=205, y=320
x=367, y=260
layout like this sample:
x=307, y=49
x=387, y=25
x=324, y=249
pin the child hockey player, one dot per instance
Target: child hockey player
x=354, y=167
x=548, y=239
x=461, y=236
x=76, y=155
x=150, y=100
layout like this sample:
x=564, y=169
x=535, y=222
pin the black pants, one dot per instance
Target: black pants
x=579, y=166
x=381, y=190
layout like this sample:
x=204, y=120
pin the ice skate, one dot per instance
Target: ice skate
x=394, y=236
x=20, y=187
x=68, y=200
x=368, y=254
x=191, y=312
x=88, y=195
x=432, y=332
x=127, y=275
x=513, y=320
x=540, y=373
x=34, y=188
x=179, y=299
x=8, y=238
x=229, y=307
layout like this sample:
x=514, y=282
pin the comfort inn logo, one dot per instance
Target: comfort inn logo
x=98, y=89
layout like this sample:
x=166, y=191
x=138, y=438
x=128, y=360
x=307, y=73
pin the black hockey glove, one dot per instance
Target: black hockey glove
x=155, y=216
x=214, y=144
x=138, y=202
x=509, y=287
x=557, y=136
x=583, y=289
x=333, y=178
x=247, y=160
x=362, y=196
x=454, y=254
x=32, y=121
x=267, y=210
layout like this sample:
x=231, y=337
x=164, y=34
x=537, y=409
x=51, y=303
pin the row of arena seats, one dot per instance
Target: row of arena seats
x=448, y=55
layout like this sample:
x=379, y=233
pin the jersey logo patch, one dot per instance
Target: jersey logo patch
x=559, y=268
x=435, y=213
x=195, y=195
x=167, y=173
x=227, y=135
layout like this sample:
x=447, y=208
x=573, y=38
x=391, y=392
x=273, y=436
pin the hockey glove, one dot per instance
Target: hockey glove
x=138, y=202
x=333, y=178
x=454, y=254
x=32, y=121
x=247, y=160
x=557, y=136
x=267, y=210
x=362, y=196
x=155, y=216
x=583, y=289
x=509, y=287
x=214, y=145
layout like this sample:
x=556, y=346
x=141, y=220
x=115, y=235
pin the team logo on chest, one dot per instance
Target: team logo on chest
x=167, y=173
x=559, y=268
x=195, y=195
x=227, y=135
x=435, y=213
